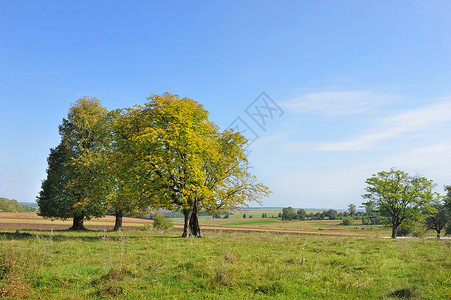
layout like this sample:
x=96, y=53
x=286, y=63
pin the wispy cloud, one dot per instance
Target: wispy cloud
x=331, y=103
x=422, y=121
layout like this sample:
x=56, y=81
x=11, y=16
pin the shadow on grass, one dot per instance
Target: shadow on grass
x=15, y=235
x=59, y=235
x=407, y=293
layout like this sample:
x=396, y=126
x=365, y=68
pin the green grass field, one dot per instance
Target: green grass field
x=151, y=264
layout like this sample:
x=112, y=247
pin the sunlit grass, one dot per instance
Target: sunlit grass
x=142, y=265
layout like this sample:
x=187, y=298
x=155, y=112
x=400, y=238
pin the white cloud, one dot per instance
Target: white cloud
x=421, y=121
x=331, y=103
x=432, y=161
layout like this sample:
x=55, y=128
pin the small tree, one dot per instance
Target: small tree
x=438, y=220
x=447, y=204
x=369, y=208
x=301, y=214
x=352, y=209
x=162, y=223
x=288, y=213
x=331, y=214
x=399, y=196
x=348, y=221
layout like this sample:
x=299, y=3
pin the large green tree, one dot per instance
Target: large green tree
x=55, y=200
x=121, y=169
x=399, y=196
x=73, y=187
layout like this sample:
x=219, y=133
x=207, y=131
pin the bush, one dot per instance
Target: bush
x=162, y=223
x=348, y=221
x=366, y=221
x=144, y=227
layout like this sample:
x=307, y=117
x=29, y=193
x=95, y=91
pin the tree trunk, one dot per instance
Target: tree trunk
x=191, y=226
x=118, y=224
x=194, y=221
x=78, y=223
x=438, y=234
x=394, y=232
x=186, y=228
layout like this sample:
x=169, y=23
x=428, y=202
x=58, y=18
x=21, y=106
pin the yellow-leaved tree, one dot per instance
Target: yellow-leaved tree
x=183, y=161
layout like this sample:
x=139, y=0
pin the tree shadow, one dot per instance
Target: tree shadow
x=15, y=235
x=60, y=236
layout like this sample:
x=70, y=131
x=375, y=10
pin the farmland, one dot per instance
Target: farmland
x=238, y=258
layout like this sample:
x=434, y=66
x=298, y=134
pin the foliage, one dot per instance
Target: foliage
x=183, y=161
x=447, y=204
x=72, y=187
x=352, y=209
x=439, y=219
x=7, y=205
x=288, y=213
x=399, y=196
x=162, y=223
x=301, y=214
x=55, y=199
x=348, y=221
x=165, y=154
x=331, y=214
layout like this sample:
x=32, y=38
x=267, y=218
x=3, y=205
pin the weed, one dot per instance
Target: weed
x=111, y=284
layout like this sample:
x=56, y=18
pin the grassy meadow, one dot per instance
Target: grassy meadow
x=152, y=264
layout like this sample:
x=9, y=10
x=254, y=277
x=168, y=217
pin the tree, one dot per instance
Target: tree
x=331, y=214
x=73, y=187
x=121, y=168
x=288, y=213
x=438, y=220
x=55, y=200
x=7, y=205
x=447, y=204
x=184, y=162
x=399, y=196
x=352, y=209
x=301, y=214
x=348, y=221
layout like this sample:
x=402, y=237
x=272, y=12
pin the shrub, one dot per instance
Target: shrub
x=144, y=227
x=366, y=221
x=162, y=223
x=348, y=221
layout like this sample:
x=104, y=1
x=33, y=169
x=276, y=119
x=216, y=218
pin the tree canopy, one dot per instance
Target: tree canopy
x=183, y=161
x=399, y=196
x=73, y=187
x=10, y=205
x=163, y=154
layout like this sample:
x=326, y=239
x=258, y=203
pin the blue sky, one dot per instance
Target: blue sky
x=363, y=85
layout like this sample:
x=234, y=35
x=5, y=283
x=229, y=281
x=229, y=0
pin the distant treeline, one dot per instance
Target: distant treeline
x=8, y=205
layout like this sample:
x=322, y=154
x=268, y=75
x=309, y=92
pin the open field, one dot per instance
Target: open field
x=151, y=264
x=237, y=259
x=30, y=221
